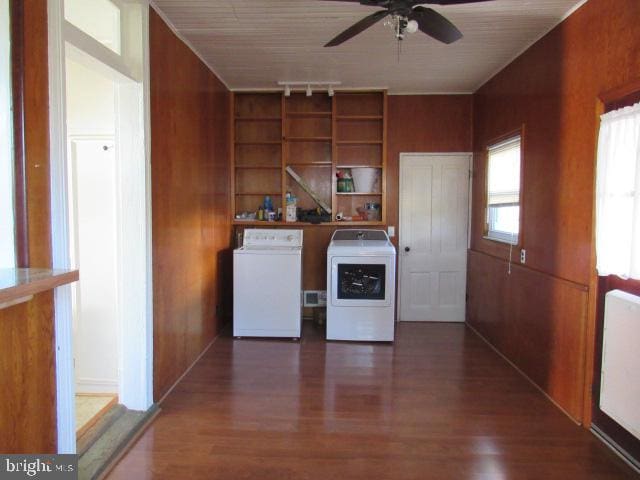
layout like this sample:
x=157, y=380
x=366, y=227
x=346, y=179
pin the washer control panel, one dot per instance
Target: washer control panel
x=262, y=237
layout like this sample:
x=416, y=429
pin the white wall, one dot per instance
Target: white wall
x=7, y=238
x=91, y=127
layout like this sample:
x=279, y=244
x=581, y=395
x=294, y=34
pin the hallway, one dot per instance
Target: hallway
x=438, y=404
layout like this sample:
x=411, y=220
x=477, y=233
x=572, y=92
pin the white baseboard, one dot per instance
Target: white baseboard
x=96, y=385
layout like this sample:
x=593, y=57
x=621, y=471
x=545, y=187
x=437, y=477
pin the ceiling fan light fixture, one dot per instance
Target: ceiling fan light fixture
x=412, y=26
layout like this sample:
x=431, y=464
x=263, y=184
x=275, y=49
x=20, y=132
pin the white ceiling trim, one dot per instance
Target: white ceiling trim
x=536, y=40
x=177, y=33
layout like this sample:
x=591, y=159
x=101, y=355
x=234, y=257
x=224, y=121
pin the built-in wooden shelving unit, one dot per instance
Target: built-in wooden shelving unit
x=317, y=136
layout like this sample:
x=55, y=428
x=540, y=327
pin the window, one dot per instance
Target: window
x=7, y=233
x=618, y=194
x=503, y=190
x=97, y=18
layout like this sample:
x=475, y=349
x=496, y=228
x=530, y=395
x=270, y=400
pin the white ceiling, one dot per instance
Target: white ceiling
x=253, y=44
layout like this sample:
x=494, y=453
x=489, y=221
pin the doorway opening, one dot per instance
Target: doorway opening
x=99, y=122
x=92, y=194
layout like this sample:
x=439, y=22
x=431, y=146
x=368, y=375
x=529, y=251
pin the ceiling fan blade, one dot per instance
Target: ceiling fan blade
x=450, y=2
x=435, y=25
x=370, y=3
x=357, y=28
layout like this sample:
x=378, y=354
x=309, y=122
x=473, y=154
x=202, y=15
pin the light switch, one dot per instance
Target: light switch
x=391, y=231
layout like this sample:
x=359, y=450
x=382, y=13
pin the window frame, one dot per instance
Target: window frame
x=486, y=233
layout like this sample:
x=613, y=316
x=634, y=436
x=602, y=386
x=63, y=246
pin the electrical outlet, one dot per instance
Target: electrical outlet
x=391, y=231
x=523, y=256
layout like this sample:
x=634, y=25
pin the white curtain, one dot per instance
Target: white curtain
x=618, y=194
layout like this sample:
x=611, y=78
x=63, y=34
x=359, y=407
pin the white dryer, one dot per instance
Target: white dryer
x=361, y=278
x=267, y=284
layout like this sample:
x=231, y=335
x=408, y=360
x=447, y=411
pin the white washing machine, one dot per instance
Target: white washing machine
x=361, y=279
x=267, y=284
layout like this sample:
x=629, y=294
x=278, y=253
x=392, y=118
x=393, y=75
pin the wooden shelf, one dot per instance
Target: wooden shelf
x=359, y=117
x=270, y=142
x=309, y=114
x=258, y=119
x=359, y=142
x=259, y=194
x=364, y=194
x=322, y=224
x=19, y=284
x=310, y=164
x=258, y=167
x=358, y=166
x=308, y=139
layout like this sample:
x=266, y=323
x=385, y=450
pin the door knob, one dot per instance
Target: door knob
x=406, y=249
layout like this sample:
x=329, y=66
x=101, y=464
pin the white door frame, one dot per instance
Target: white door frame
x=406, y=156
x=134, y=230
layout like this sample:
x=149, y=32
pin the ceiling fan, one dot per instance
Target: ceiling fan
x=407, y=16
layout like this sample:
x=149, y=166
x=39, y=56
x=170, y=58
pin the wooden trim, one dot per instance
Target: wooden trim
x=18, y=283
x=232, y=153
x=93, y=420
x=592, y=306
x=284, y=155
x=383, y=173
x=578, y=286
x=19, y=129
x=153, y=412
x=615, y=98
x=334, y=157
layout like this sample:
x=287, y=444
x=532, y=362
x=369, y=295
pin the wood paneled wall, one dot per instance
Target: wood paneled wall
x=423, y=123
x=552, y=89
x=27, y=355
x=190, y=200
x=544, y=336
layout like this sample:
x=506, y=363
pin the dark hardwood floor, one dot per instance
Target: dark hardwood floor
x=438, y=404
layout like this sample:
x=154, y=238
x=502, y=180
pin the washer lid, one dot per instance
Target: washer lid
x=360, y=242
x=364, y=235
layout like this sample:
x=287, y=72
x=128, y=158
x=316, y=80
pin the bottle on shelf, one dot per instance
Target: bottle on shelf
x=291, y=214
x=267, y=204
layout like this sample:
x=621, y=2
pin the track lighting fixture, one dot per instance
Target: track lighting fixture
x=309, y=87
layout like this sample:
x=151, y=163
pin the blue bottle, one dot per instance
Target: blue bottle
x=268, y=204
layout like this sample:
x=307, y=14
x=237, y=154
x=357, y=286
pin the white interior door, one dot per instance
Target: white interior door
x=434, y=213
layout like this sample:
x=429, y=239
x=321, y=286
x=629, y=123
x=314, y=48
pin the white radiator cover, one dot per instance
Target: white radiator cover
x=620, y=382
